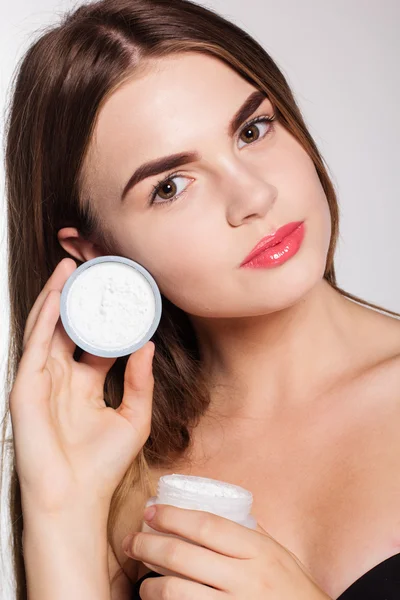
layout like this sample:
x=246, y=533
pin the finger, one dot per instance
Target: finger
x=184, y=558
x=100, y=364
x=37, y=348
x=56, y=282
x=268, y=537
x=261, y=530
x=61, y=343
x=209, y=530
x=154, y=588
x=136, y=405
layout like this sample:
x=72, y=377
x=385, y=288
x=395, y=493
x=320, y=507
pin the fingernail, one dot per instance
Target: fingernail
x=149, y=513
x=127, y=543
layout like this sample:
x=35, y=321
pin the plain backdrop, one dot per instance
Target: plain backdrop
x=341, y=59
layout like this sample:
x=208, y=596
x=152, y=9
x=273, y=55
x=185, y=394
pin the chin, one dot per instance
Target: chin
x=287, y=287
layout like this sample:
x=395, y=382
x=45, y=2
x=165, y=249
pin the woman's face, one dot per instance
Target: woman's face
x=240, y=188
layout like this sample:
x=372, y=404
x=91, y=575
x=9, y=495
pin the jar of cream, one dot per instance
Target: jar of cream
x=201, y=493
x=110, y=306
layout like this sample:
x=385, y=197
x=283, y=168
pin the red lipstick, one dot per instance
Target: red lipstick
x=273, y=250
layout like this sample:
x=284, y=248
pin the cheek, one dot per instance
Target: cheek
x=318, y=221
x=313, y=205
x=312, y=261
x=327, y=223
x=193, y=273
x=320, y=214
x=184, y=265
x=185, y=270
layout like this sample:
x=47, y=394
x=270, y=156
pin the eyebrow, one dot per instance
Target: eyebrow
x=166, y=163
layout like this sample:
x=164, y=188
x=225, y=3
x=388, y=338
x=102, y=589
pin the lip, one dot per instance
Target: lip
x=272, y=240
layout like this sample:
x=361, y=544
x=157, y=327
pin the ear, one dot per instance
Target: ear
x=77, y=246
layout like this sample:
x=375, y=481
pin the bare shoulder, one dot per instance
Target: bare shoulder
x=376, y=337
x=379, y=384
x=383, y=333
x=386, y=333
x=376, y=358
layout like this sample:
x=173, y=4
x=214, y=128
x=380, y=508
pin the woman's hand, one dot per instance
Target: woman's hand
x=230, y=560
x=69, y=446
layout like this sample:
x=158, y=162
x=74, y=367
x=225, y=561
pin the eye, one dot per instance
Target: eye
x=165, y=184
x=173, y=189
x=248, y=127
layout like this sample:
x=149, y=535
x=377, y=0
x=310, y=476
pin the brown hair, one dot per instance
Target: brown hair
x=61, y=83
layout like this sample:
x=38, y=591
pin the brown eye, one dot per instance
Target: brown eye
x=167, y=188
x=250, y=132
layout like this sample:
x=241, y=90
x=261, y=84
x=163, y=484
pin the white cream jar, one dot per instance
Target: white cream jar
x=201, y=493
x=110, y=306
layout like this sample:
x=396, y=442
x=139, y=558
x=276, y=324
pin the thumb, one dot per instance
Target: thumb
x=260, y=529
x=137, y=400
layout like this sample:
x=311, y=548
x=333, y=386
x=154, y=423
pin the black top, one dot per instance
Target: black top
x=382, y=582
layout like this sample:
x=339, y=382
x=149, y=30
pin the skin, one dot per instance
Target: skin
x=237, y=194
x=278, y=344
x=278, y=328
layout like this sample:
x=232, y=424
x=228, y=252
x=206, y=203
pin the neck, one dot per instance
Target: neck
x=264, y=365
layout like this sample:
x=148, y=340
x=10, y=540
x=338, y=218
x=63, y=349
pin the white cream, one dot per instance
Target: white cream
x=203, y=493
x=110, y=305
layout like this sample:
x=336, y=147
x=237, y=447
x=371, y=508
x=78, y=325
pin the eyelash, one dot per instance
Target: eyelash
x=159, y=184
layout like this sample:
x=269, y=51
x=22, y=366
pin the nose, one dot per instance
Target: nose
x=250, y=195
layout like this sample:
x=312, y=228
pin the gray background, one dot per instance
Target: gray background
x=341, y=59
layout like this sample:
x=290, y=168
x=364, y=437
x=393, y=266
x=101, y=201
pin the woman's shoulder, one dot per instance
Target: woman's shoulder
x=385, y=334
x=380, y=338
x=370, y=388
x=376, y=336
x=376, y=388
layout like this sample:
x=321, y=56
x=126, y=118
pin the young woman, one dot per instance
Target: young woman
x=159, y=131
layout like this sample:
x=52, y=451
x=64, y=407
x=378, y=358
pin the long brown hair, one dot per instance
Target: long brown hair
x=60, y=85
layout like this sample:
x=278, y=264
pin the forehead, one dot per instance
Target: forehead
x=167, y=108
x=171, y=87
